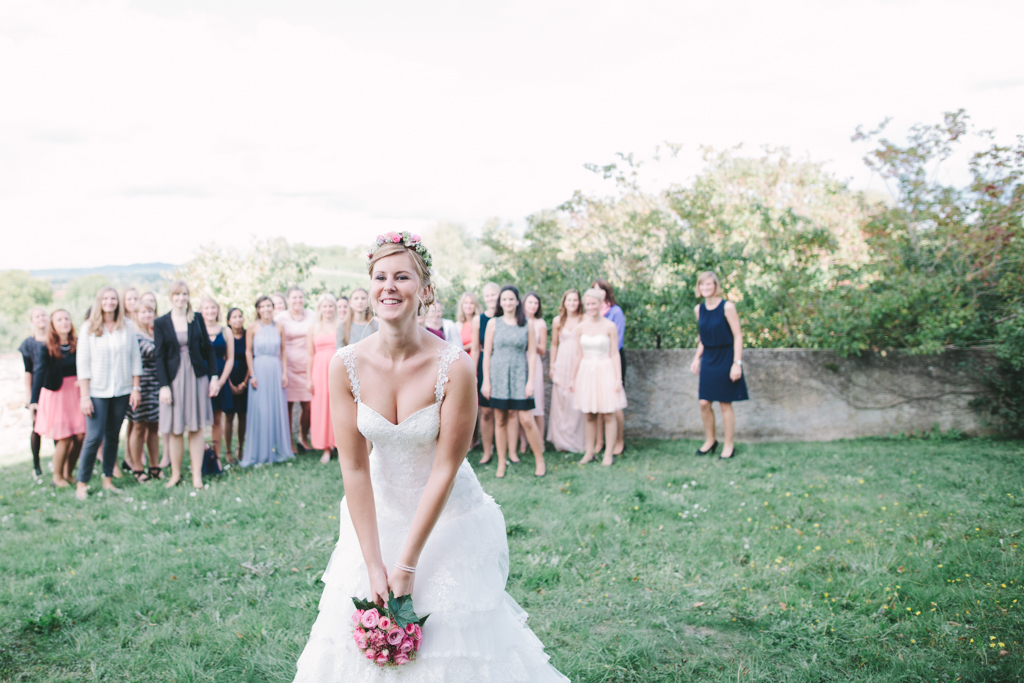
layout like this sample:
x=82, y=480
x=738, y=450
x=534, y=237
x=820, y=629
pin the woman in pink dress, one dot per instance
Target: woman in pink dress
x=319, y=350
x=59, y=416
x=566, y=425
x=297, y=321
x=597, y=375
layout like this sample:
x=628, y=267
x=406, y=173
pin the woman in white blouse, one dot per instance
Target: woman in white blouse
x=109, y=373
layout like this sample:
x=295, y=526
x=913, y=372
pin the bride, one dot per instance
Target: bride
x=414, y=519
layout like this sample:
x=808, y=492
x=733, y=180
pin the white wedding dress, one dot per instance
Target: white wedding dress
x=476, y=631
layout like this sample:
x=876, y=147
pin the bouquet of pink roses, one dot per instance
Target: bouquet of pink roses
x=390, y=636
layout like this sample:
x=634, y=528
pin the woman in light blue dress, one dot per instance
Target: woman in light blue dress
x=268, y=438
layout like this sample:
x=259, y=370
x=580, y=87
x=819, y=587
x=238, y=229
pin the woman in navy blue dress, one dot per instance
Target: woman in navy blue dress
x=719, y=362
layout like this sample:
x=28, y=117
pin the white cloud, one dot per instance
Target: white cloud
x=134, y=132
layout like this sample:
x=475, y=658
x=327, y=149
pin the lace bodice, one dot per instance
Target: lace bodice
x=403, y=453
x=595, y=345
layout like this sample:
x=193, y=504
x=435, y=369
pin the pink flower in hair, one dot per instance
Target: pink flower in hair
x=401, y=658
x=416, y=238
x=396, y=239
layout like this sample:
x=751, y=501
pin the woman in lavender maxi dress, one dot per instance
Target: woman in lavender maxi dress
x=268, y=437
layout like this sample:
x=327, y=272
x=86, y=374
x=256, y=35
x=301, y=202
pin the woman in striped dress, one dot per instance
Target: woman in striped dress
x=145, y=418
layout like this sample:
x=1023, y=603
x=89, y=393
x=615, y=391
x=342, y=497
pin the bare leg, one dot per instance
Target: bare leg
x=539, y=419
x=512, y=434
x=229, y=424
x=708, y=416
x=177, y=452
x=196, y=446
x=165, y=461
x=305, y=419
x=534, y=437
x=217, y=430
x=599, y=434
x=135, y=443
x=591, y=436
x=128, y=445
x=486, y=433
x=729, y=426
x=501, y=438
x=59, y=456
x=71, y=461
x=620, y=426
x=153, y=442
x=610, y=427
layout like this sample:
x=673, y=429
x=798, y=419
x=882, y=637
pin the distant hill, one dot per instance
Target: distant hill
x=145, y=271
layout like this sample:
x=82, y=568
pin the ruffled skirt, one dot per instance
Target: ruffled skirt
x=596, y=388
x=60, y=412
x=476, y=631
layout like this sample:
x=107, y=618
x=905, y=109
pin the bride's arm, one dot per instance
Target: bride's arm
x=355, y=470
x=458, y=417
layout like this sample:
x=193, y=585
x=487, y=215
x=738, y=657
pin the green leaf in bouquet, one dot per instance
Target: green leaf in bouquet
x=364, y=604
x=402, y=612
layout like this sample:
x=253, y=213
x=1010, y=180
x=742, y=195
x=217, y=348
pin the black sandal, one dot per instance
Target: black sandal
x=156, y=473
x=141, y=476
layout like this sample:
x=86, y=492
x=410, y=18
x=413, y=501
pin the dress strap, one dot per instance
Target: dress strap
x=447, y=357
x=348, y=355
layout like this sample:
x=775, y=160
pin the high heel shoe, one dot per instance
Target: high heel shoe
x=709, y=451
x=732, y=455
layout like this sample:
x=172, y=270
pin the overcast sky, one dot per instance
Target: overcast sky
x=136, y=130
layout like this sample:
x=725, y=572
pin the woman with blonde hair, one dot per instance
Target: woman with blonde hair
x=145, y=418
x=186, y=370
x=467, y=310
x=718, y=362
x=414, y=520
x=597, y=375
x=359, y=323
x=30, y=348
x=268, y=434
x=566, y=425
x=320, y=347
x=53, y=389
x=109, y=381
x=224, y=352
x=296, y=322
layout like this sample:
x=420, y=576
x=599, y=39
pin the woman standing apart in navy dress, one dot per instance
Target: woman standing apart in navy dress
x=718, y=361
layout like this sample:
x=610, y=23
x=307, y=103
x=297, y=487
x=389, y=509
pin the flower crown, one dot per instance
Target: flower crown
x=410, y=241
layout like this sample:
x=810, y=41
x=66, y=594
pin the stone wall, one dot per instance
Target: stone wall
x=810, y=395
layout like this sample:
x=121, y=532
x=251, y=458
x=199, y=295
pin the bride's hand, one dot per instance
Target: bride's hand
x=401, y=582
x=378, y=585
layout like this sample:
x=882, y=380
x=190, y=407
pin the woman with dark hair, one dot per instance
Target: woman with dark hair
x=718, y=361
x=186, y=369
x=510, y=352
x=238, y=383
x=269, y=437
x=30, y=350
x=611, y=310
x=53, y=388
x=109, y=380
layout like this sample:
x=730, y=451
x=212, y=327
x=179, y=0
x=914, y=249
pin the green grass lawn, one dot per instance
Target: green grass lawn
x=871, y=560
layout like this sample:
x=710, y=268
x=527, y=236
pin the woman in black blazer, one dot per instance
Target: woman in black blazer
x=186, y=372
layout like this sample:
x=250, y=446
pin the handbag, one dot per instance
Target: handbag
x=211, y=463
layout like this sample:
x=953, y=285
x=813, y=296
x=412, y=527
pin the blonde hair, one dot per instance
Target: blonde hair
x=459, y=315
x=326, y=296
x=418, y=264
x=32, y=312
x=490, y=285
x=212, y=301
x=709, y=275
x=594, y=293
x=180, y=286
x=94, y=325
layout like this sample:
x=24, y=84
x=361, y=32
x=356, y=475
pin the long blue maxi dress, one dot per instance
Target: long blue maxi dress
x=268, y=438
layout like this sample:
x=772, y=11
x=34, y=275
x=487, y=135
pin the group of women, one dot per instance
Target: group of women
x=175, y=375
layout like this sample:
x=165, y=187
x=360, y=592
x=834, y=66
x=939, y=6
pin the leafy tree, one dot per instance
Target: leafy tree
x=19, y=292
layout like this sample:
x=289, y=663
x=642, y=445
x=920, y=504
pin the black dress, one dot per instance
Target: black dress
x=481, y=401
x=239, y=402
x=716, y=361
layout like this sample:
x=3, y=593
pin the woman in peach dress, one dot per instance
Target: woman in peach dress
x=566, y=425
x=297, y=321
x=320, y=342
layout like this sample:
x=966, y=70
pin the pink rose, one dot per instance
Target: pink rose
x=406, y=647
x=370, y=618
x=356, y=616
x=360, y=638
x=416, y=238
x=401, y=659
x=410, y=629
x=396, y=239
x=371, y=654
x=419, y=633
x=384, y=624
x=395, y=636
x=382, y=658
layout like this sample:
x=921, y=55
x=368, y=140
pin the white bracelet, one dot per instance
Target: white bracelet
x=405, y=568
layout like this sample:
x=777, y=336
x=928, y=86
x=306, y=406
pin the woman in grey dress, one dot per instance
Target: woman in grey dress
x=509, y=369
x=268, y=438
x=359, y=322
